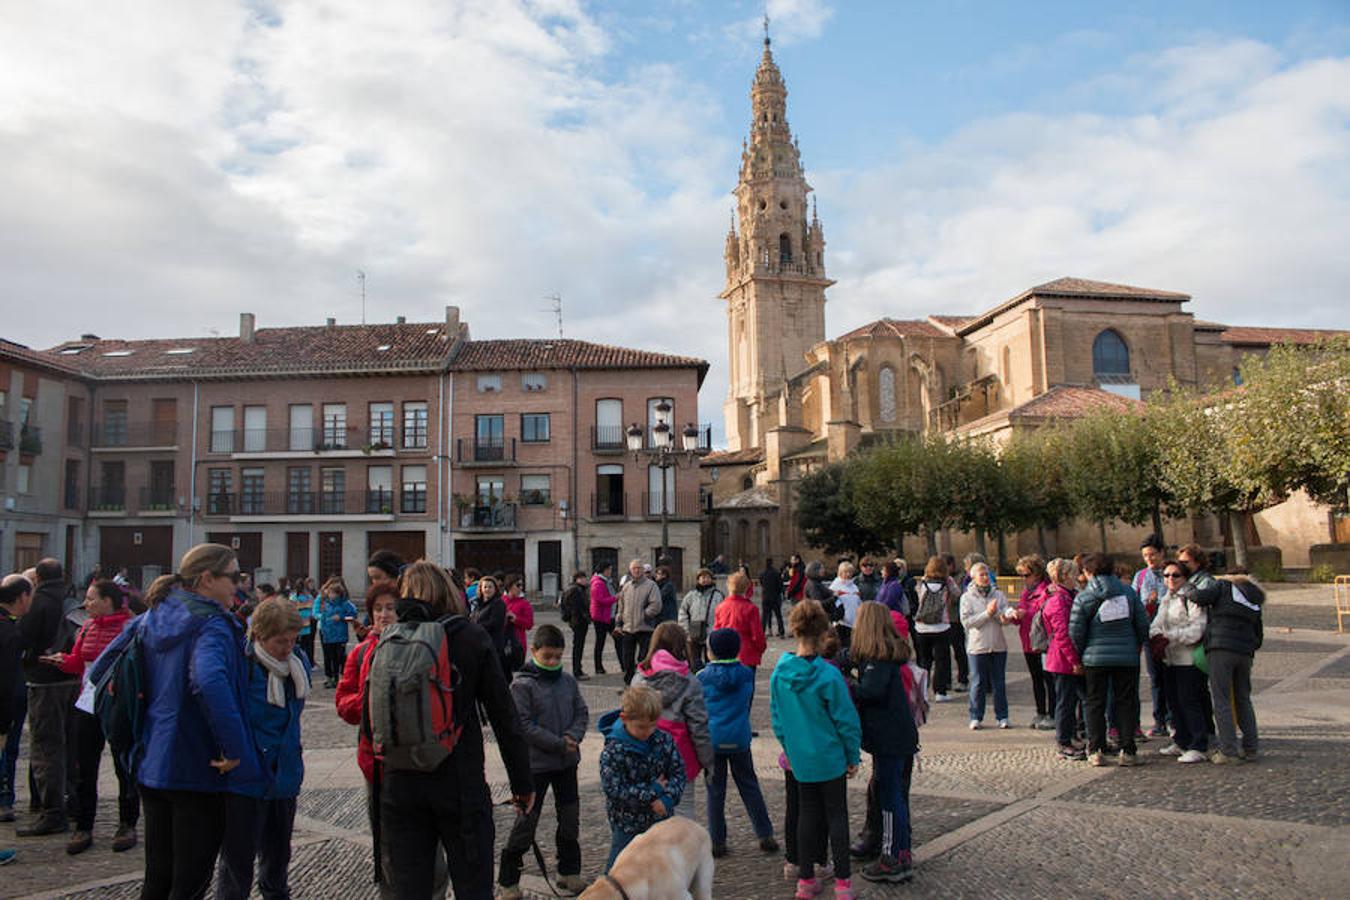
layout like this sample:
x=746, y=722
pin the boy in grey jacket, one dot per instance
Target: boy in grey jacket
x=553, y=718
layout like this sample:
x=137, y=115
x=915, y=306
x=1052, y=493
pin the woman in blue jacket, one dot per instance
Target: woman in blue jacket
x=259, y=819
x=196, y=746
x=335, y=615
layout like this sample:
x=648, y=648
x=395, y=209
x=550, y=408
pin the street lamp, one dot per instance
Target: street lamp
x=662, y=452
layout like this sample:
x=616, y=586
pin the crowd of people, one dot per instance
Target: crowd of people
x=198, y=688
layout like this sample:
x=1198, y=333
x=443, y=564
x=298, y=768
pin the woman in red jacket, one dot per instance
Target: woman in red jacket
x=737, y=612
x=108, y=615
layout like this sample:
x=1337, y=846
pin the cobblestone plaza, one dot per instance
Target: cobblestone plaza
x=995, y=813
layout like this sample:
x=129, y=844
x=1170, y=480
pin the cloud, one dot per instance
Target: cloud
x=790, y=22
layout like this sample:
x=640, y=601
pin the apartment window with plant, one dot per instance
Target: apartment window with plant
x=333, y=487
x=535, y=490
x=112, y=488
x=251, y=496
x=382, y=426
x=334, y=426
x=534, y=428
x=219, y=486
x=299, y=490
x=415, y=425
x=380, y=489
x=414, y=489
x=222, y=429
x=534, y=381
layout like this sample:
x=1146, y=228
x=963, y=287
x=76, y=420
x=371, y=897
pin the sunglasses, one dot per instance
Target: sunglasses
x=1174, y=575
x=235, y=577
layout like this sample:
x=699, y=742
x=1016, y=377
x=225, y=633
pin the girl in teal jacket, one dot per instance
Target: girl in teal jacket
x=817, y=724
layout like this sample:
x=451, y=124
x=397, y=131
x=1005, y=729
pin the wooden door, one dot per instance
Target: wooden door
x=330, y=554
x=491, y=557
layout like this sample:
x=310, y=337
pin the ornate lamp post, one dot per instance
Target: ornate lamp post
x=663, y=454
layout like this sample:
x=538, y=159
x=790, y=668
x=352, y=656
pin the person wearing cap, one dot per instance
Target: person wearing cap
x=728, y=687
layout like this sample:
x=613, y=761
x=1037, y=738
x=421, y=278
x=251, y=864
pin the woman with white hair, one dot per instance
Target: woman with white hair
x=984, y=612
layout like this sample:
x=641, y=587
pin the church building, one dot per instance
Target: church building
x=797, y=400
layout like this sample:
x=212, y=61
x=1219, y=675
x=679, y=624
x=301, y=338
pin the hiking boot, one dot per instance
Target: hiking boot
x=571, y=884
x=863, y=849
x=1219, y=758
x=44, y=825
x=1128, y=759
x=768, y=844
x=510, y=892
x=1192, y=756
x=125, y=838
x=719, y=851
x=888, y=870
x=1074, y=754
x=1097, y=758
x=79, y=842
x=1170, y=750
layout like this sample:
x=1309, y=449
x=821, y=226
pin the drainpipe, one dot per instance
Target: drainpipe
x=576, y=501
x=445, y=548
x=192, y=473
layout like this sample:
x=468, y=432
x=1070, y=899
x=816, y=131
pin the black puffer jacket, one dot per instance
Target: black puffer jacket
x=1234, y=605
x=887, y=723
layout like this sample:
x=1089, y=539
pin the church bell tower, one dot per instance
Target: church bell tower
x=775, y=261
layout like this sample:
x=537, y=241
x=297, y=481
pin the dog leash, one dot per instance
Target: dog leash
x=539, y=856
x=618, y=887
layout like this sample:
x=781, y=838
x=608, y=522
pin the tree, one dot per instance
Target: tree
x=1113, y=471
x=826, y=514
x=1032, y=472
x=912, y=485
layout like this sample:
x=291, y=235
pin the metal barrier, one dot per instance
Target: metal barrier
x=1341, y=590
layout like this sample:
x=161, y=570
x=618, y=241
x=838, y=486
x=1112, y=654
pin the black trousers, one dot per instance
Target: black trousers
x=957, y=635
x=579, y=646
x=420, y=810
x=183, y=831
x=931, y=651
x=1124, y=684
x=1042, y=685
x=1187, y=687
x=51, y=747
x=306, y=642
x=632, y=647
x=772, y=609
x=602, y=631
x=567, y=837
x=334, y=658
x=792, y=825
x=89, y=745
x=256, y=829
x=822, y=810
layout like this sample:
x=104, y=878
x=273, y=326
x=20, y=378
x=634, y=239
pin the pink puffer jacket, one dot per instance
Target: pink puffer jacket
x=1030, y=603
x=1061, y=657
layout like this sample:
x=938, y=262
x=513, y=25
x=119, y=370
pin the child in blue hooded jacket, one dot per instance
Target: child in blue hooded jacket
x=336, y=613
x=817, y=724
x=728, y=687
x=259, y=820
x=641, y=769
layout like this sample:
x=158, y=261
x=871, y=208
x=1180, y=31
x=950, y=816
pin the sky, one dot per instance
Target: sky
x=165, y=166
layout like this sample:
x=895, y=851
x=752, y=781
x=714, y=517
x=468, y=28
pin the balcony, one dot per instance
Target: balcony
x=608, y=506
x=489, y=517
x=287, y=505
x=6, y=435
x=30, y=440
x=108, y=498
x=118, y=434
x=609, y=438
x=485, y=451
x=75, y=434
x=678, y=505
x=158, y=500
x=298, y=443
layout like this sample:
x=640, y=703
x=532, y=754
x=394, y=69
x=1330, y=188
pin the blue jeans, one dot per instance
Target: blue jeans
x=893, y=774
x=743, y=772
x=618, y=839
x=9, y=753
x=988, y=673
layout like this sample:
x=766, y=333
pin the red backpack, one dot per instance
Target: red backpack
x=410, y=697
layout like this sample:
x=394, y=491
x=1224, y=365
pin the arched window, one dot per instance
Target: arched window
x=747, y=483
x=886, y=390
x=1110, y=356
x=784, y=249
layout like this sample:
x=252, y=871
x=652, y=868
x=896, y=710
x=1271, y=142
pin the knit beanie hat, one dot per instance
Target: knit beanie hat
x=724, y=643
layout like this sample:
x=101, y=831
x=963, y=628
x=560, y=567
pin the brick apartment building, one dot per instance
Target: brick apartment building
x=307, y=448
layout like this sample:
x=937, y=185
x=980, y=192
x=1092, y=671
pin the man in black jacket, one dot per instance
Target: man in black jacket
x=1232, y=638
x=576, y=612
x=453, y=805
x=16, y=595
x=771, y=597
x=51, y=699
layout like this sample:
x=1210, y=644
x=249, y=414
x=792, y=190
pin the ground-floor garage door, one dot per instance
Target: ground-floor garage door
x=409, y=545
x=491, y=557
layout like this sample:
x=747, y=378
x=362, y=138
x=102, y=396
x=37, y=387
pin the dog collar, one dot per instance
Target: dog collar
x=618, y=887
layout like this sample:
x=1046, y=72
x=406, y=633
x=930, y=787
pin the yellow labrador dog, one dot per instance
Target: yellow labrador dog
x=672, y=860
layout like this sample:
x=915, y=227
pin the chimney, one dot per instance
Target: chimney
x=246, y=327
x=89, y=337
x=452, y=322
x=401, y=320
x=331, y=322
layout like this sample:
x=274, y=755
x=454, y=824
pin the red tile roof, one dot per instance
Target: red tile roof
x=22, y=355
x=1267, y=336
x=316, y=350
x=1064, y=401
x=733, y=457
x=898, y=328
x=1075, y=287
x=560, y=353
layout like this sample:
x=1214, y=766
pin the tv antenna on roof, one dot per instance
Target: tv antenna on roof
x=361, y=277
x=556, y=307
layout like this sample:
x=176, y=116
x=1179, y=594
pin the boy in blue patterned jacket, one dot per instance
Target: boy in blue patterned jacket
x=640, y=768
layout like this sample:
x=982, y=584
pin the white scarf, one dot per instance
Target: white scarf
x=278, y=672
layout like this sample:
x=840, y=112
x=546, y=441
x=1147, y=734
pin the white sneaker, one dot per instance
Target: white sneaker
x=1170, y=750
x=974, y=725
x=1002, y=723
x=940, y=698
x=1192, y=756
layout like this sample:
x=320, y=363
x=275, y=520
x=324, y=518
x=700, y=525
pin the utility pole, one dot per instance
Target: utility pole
x=361, y=277
x=556, y=300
